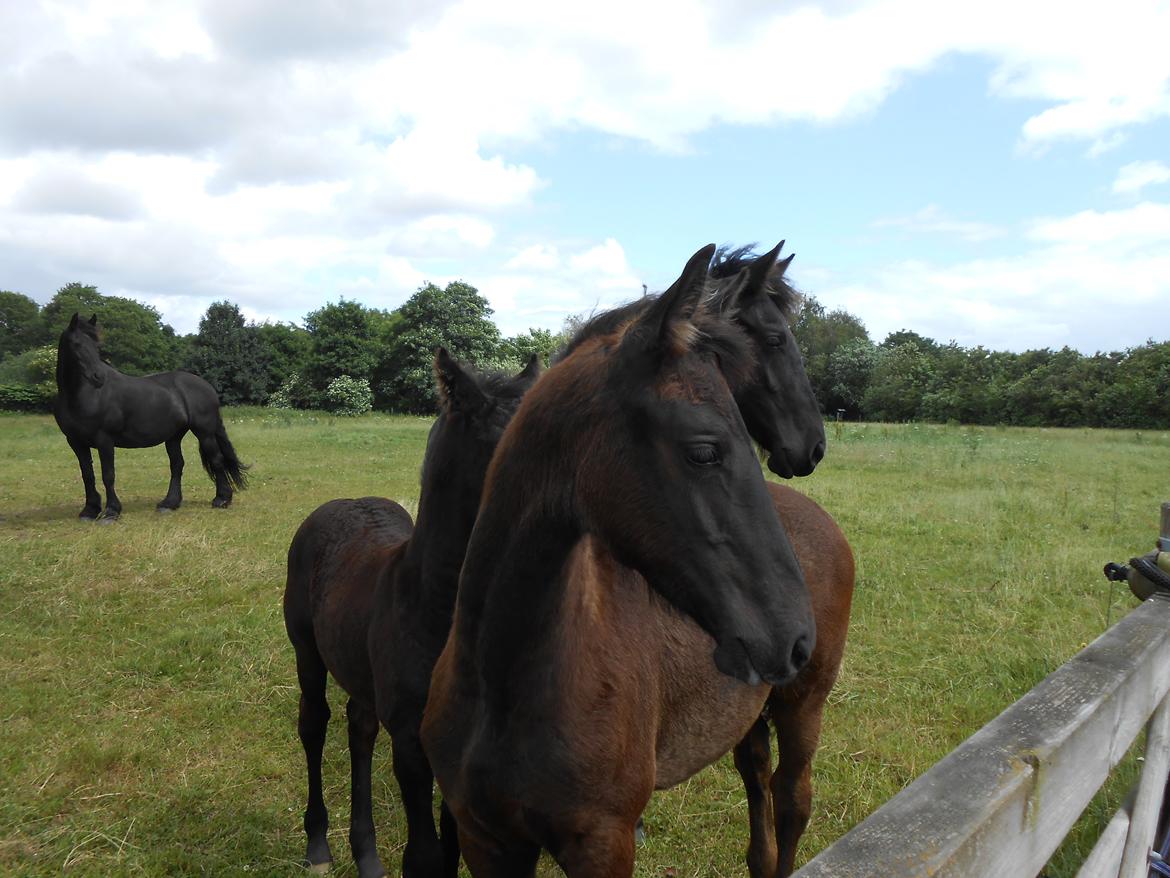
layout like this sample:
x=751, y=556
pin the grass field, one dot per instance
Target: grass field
x=147, y=719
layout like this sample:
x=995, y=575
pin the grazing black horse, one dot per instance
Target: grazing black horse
x=99, y=407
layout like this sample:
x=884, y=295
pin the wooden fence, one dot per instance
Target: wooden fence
x=1001, y=804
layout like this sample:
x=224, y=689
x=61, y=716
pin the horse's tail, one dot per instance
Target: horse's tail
x=236, y=471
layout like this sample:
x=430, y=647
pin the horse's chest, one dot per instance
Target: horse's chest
x=705, y=713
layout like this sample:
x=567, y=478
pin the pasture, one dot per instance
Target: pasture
x=149, y=702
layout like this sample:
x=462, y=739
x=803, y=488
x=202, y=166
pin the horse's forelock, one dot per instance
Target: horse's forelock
x=729, y=262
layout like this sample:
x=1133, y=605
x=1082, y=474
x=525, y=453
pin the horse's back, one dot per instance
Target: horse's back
x=199, y=399
x=334, y=563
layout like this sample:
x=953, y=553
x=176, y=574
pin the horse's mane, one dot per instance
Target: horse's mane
x=712, y=334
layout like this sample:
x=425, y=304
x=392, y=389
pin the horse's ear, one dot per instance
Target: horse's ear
x=729, y=293
x=666, y=324
x=783, y=266
x=73, y=320
x=457, y=389
x=532, y=371
x=93, y=320
x=760, y=272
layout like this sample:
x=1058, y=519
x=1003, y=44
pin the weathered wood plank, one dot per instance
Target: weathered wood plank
x=1151, y=785
x=1003, y=801
x=1104, y=861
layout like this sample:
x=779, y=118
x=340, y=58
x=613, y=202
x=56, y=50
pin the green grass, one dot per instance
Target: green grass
x=147, y=717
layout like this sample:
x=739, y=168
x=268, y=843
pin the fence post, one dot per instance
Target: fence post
x=1164, y=539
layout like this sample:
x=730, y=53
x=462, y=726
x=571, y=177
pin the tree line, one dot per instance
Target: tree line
x=348, y=358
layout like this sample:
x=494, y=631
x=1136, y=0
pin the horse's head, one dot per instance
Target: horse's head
x=474, y=409
x=667, y=477
x=78, y=350
x=778, y=405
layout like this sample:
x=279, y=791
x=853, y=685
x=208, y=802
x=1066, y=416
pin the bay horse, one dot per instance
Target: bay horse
x=782, y=414
x=623, y=502
x=99, y=407
x=361, y=596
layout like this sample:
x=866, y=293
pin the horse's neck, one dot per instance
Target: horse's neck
x=511, y=595
x=446, y=515
x=71, y=381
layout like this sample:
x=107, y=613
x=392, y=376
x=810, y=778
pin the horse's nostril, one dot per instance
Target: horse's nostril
x=818, y=452
x=801, y=651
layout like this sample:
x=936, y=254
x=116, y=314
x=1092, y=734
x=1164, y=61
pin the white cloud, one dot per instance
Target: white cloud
x=1091, y=280
x=540, y=286
x=932, y=219
x=281, y=155
x=1135, y=176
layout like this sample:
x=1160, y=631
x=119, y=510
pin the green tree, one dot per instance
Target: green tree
x=228, y=354
x=819, y=333
x=897, y=384
x=520, y=347
x=285, y=349
x=134, y=338
x=848, y=376
x=21, y=326
x=341, y=342
x=457, y=318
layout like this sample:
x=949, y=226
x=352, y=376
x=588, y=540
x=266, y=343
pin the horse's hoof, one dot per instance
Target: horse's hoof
x=109, y=517
x=88, y=516
x=220, y=503
x=321, y=868
x=162, y=509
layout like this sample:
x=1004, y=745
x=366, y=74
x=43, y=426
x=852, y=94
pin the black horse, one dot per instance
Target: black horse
x=99, y=407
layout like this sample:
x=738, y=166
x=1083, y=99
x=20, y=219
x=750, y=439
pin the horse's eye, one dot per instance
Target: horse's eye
x=703, y=454
x=776, y=341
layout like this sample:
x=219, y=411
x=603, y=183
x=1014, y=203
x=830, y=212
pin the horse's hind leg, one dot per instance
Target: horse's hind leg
x=93, y=500
x=753, y=761
x=312, y=722
x=214, y=463
x=174, y=495
x=798, y=731
x=363, y=731
x=113, y=504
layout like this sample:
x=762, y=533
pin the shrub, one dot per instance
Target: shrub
x=293, y=393
x=349, y=396
x=27, y=397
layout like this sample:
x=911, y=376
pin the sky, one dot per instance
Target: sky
x=993, y=173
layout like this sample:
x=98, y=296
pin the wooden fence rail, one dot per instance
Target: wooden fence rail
x=1003, y=802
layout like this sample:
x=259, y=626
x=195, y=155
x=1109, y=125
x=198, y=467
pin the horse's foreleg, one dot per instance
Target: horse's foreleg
x=798, y=731
x=93, y=500
x=113, y=504
x=495, y=863
x=449, y=835
x=753, y=761
x=424, y=855
x=312, y=723
x=363, y=731
x=174, y=495
x=606, y=851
